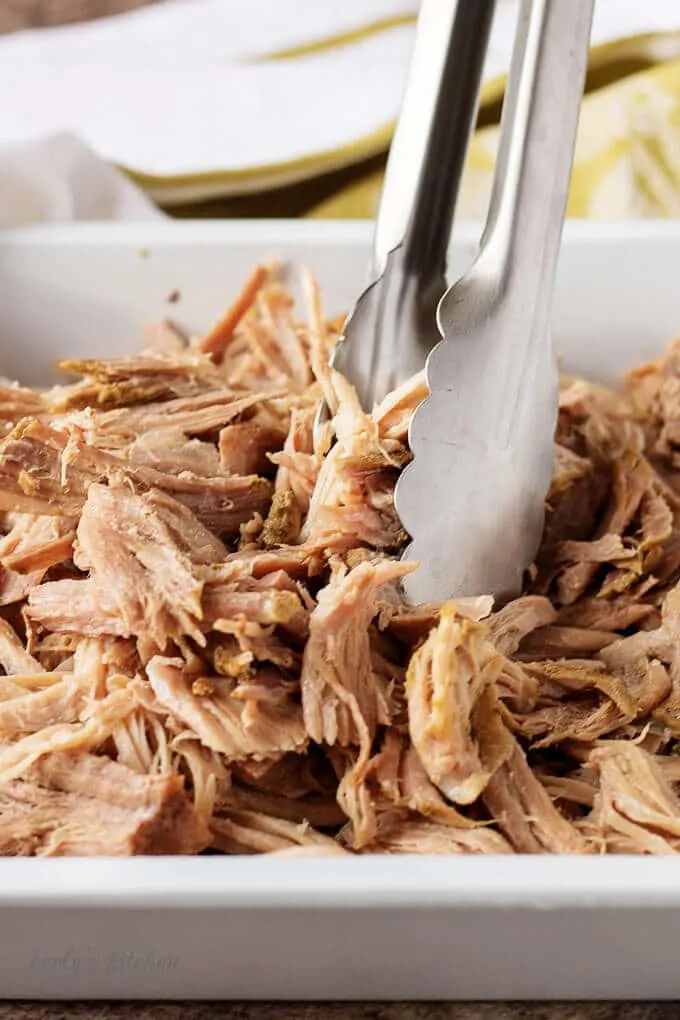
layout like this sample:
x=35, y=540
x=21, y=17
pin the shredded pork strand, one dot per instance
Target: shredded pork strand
x=203, y=641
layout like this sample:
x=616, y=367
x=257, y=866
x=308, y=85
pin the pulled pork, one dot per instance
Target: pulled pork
x=203, y=642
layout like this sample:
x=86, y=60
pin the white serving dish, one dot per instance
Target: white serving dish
x=373, y=928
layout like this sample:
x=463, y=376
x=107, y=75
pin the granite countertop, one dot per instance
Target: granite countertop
x=336, y=1011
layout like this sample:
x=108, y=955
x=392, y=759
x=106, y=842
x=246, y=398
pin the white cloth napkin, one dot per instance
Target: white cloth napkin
x=180, y=87
x=59, y=179
x=181, y=92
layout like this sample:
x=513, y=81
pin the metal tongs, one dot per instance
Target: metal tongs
x=393, y=326
x=473, y=497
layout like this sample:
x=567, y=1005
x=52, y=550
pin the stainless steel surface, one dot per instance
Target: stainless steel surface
x=473, y=497
x=393, y=327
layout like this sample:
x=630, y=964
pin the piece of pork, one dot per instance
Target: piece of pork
x=296, y=561
x=176, y=366
x=393, y=780
x=168, y=450
x=321, y=341
x=353, y=499
x=96, y=723
x=14, y=658
x=80, y=607
x=79, y=804
x=603, y=701
x=412, y=624
x=48, y=470
x=393, y=414
x=194, y=416
x=222, y=504
x=209, y=778
x=517, y=689
x=263, y=601
x=524, y=812
x=556, y=642
x=265, y=685
x=578, y=789
x=61, y=700
x=617, y=614
x=100, y=664
x=343, y=699
x=288, y=336
x=250, y=832
x=584, y=675
x=34, y=544
x=33, y=472
x=50, y=651
x=635, y=809
x=245, y=447
x=143, y=741
x=603, y=417
x=298, y=462
x=573, y=503
x=583, y=719
x=87, y=608
x=14, y=587
x=407, y=835
x=144, y=386
x=606, y=549
x=148, y=552
x=659, y=643
x=653, y=391
x=293, y=776
x=245, y=643
x=632, y=479
x=17, y=402
x=454, y=713
x=321, y=811
x=233, y=727
x=510, y=625
x=218, y=338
